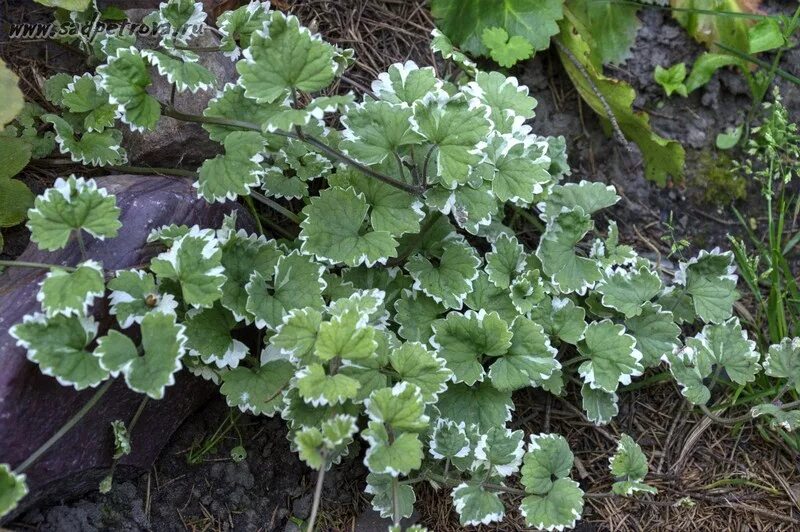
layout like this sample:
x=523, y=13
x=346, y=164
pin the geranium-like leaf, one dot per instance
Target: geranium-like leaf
x=449, y=440
x=125, y=78
x=505, y=50
x=688, y=369
x=232, y=104
x=345, y=337
x=561, y=318
x=185, y=75
x=449, y=279
x=569, y=271
x=558, y=509
x=472, y=207
x=296, y=283
x=59, y=346
x=376, y=130
x=163, y=343
x=237, y=25
x=380, y=486
x=463, y=340
x=590, y=196
x=655, y=331
x=505, y=261
x=476, y=505
x=627, y=291
x=613, y=357
x=783, y=361
x=600, y=407
x=788, y=420
x=81, y=95
x=397, y=457
x=727, y=345
x=12, y=489
x=710, y=279
x=208, y=334
x=72, y=292
x=259, y=390
x=327, y=444
x=332, y=230
x=93, y=147
x=298, y=333
x=500, y=449
x=486, y=296
x=529, y=361
x=233, y=174
x=405, y=83
x=418, y=366
x=609, y=251
x=194, y=262
x=629, y=466
x=508, y=100
x=400, y=407
x=134, y=294
x=416, y=312
x=317, y=388
x=283, y=56
x=482, y=405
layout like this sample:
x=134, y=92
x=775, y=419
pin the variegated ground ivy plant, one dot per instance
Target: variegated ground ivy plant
x=404, y=315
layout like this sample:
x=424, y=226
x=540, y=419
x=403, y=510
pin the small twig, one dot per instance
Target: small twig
x=39, y=265
x=740, y=419
x=317, y=493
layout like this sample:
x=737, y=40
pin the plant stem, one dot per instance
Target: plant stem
x=252, y=207
x=317, y=494
x=740, y=419
x=66, y=427
x=158, y=170
x=39, y=265
x=274, y=205
x=81, y=244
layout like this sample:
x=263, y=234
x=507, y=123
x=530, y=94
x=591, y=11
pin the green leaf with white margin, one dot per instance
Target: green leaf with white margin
x=167, y=234
x=72, y=205
x=181, y=15
x=94, y=148
x=283, y=56
x=163, y=345
x=710, y=279
x=184, y=75
x=457, y=129
x=237, y=171
x=297, y=283
x=590, y=196
x=500, y=449
x=382, y=491
x=463, y=340
x=81, y=95
x=471, y=207
x=449, y=281
x=783, y=361
x=628, y=291
x=509, y=102
x=125, y=78
x=400, y=407
x=600, y=407
x=481, y=404
x=415, y=313
x=12, y=489
x=442, y=45
x=569, y=271
x=416, y=365
x=364, y=307
x=613, y=357
x=727, y=345
x=390, y=209
x=332, y=230
x=629, y=466
x=486, y=296
x=259, y=390
x=448, y=440
x=395, y=458
x=655, y=331
x=122, y=439
x=555, y=501
x=208, y=336
x=58, y=346
x=327, y=444
x=689, y=369
x=345, y=337
x=194, y=261
x=609, y=252
x=527, y=291
x=561, y=318
x=376, y=130
x=298, y=333
x=405, y=83
x=506, y=51
x=317, y=388
x=529, y=361
x=72, y=292
x=505, y=261
x=134, y=293
x=518, y=169
x=232, y=104
x=238, y=25
x=788, y=420
x=476, y=505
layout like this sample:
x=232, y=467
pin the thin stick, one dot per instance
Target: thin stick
x=275, y=206
x=317, y=494
x=39, y=265
x=81, y=244
x=739, y=419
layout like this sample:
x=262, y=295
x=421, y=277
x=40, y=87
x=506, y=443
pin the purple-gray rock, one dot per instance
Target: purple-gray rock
x=34, y=406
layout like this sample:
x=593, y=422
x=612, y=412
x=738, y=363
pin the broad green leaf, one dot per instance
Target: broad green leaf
x=561, y=318
x=405, y=83
x=92, y=147
x=628, y=291
x=558, y=509
x=72, y=292
x=489, y=298
x=450, y=279
x=332, y=230
x=569, y=271
x=613, y=357
x=463, y=340
x=456, y=128
x=125, y=78
x=12, y=489
x=383, y=495
x=296, y=283
x=73, y=204
x=298, y=333
x=548, y=458
x=237, y=171
x=415, y=313
x=448, y=440
x=590, y=196
x=500, y=450
x=529, y=361
x=472, y=208
x=710, y=279
x=375, y=131
x=476, y=505
x=81, y=95
x=318, y=388
x=600, y=407
x=208, y=336
x=59, y=346
x=701, y=21
x=482, y=405
x=259, y=390
x=727, y=345
x=506, y=51
x=788, y=420
x=629, y=466
x=464, y=21
x=194, y=262
x=656, y=333
x=416, y=365
x=400, y=407
x=671, y=79
x=765, y=35
x=238, y=25
x=517, y=169
x=345, y=337
x=14, y=99
x=184, y=75
x=689, y=369
x=611, y=25
x=505, y=261
x=232, y=104
x=705, y=66
x=163, y=345
x=285, y=56
x=394, y=457
x=783, y=361
x=15, y=154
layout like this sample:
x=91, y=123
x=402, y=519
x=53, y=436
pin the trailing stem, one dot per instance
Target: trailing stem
x=317, y=493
